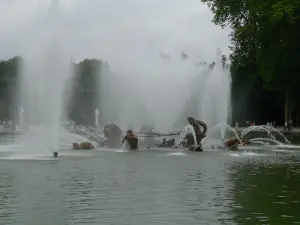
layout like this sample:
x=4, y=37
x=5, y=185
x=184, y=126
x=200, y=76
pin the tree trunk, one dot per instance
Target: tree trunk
x=290, y=117
x=297, y=117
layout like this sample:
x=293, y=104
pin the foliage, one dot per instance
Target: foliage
x=8, y=81
x=83, y=89
x=264, y=44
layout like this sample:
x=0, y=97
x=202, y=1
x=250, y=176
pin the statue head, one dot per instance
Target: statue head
x=191, y=120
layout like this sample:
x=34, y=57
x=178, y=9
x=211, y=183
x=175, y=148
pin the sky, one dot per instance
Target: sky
x=116, y=29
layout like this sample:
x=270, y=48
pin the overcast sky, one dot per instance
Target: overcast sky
x=114, y=29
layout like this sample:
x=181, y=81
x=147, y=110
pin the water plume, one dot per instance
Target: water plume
x=215, y=101
x=154, y=65
x=44, y=75
x=148, y=94
x=165, y=91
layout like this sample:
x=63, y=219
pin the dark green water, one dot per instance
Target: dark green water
x=151, y=187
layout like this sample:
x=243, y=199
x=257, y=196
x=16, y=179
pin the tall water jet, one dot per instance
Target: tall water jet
x=21, y=117
x=215, y=102
x=147, y=93
x=97, y=119
x=45, y=72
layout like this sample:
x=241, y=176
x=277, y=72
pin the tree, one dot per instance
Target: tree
x=9, y=79
x=270, y=59
x=85, y=90
x=278, y=55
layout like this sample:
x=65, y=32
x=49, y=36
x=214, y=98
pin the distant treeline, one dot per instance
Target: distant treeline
x=9, y=78
x=82, y=98
x=253, y=99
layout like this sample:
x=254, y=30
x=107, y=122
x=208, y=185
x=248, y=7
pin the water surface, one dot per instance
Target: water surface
x=151, y=187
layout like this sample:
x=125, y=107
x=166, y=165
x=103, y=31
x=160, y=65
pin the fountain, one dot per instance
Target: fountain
x=158, y=92
x=271, y=132
x=21, y=117
x=215, y=102
x=218, y=133
x=189, y=129
x=67, y=138
x=145, y=93
x=209, y=99
x=266, y=136
x=44, y=75
x=97, y=119
x=223, y=128
x=276, y=132
x=265, y=140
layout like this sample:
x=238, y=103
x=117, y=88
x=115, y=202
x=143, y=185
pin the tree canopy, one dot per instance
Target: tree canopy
x=81, y=101
x=264, y=44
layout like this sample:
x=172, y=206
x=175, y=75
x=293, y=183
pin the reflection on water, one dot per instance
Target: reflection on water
x=149, y=188
x=267, y=191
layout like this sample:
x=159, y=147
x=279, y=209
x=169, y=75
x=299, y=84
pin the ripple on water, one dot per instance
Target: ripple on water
x=28, y=158
x=121, y=150
x=177, y=154
x=110, y=188
x=245, y=154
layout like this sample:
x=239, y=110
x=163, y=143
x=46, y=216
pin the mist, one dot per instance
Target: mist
x=144, y=87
